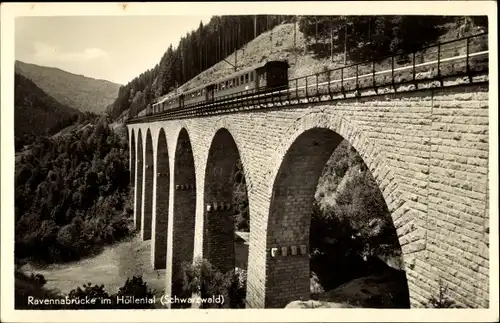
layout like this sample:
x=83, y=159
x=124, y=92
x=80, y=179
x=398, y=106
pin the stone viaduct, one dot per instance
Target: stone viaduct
x=427, y=149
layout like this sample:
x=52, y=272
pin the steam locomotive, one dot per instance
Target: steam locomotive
x=261, y=78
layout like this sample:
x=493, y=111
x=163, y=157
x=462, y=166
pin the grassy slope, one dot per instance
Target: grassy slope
x=278, y=44
x=83, y=93
x=112, y=267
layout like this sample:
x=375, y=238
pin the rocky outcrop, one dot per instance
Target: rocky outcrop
x=386, y=290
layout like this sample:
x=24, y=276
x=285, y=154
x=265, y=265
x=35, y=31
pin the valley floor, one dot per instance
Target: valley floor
x=125, y=259
x=111, y=268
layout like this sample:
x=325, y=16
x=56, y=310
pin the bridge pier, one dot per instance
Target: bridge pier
x=219, y=236
x=184, y=212
x=139, y=184
x=147, y=189
x=161, y=205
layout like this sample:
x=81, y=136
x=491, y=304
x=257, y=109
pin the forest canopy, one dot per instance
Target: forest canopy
x=367, y=37
x=72, y=194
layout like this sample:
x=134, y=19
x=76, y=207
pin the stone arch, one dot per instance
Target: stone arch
x=147, y=203
x=160, y=225
x=236, y=134
x=138, y=182
x=184, y=207
x=132, y=158
x=372, y=155
x=294, y=183
x=219, y=226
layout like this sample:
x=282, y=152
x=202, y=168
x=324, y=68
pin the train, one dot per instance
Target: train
x=261, y=78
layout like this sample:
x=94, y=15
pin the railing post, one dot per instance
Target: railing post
x=414, y=71
x=329, y=81
x=272, y=98
x=288, y=93
x=392, y=72
x=467, y=66
x=342, y=81
x=357, y=80
x=439, y=60
x=317, y=89
x=297, y=90
x=439, y=65
x=307, y=93
x=262, y=97
x=373, y=77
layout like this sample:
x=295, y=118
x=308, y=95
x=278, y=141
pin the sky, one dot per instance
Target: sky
x=113, y=48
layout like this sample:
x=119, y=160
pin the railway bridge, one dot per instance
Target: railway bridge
x=422, y=129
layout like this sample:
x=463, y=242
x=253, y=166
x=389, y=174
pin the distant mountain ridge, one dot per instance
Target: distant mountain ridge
x=37, y=113
x=77, y=91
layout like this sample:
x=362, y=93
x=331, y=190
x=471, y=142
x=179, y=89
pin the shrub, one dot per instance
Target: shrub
x=139, y=289
x=32, y=286
x=203, y=278
x=97, y=292
x=442, y=299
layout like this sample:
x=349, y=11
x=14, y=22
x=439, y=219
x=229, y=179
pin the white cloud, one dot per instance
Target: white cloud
x=46, y=52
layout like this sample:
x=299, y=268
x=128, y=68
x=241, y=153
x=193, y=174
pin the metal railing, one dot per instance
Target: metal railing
x=461, y=57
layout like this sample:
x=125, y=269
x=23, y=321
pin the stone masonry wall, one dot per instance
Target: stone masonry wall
x=427, y=150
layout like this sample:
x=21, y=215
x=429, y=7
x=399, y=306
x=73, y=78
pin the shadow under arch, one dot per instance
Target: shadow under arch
x=224, y=180
x=184, y=209
x=147, y=214
x=159, y=236
x=132, y=158
x=288, y=228
x=138, y=183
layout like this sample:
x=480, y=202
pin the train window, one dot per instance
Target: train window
x=251, y=76
x=246, y=78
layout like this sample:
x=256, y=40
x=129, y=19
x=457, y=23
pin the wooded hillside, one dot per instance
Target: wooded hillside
x=312, y=43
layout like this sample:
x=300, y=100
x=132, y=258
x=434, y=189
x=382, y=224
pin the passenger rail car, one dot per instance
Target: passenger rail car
x=260, y=78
